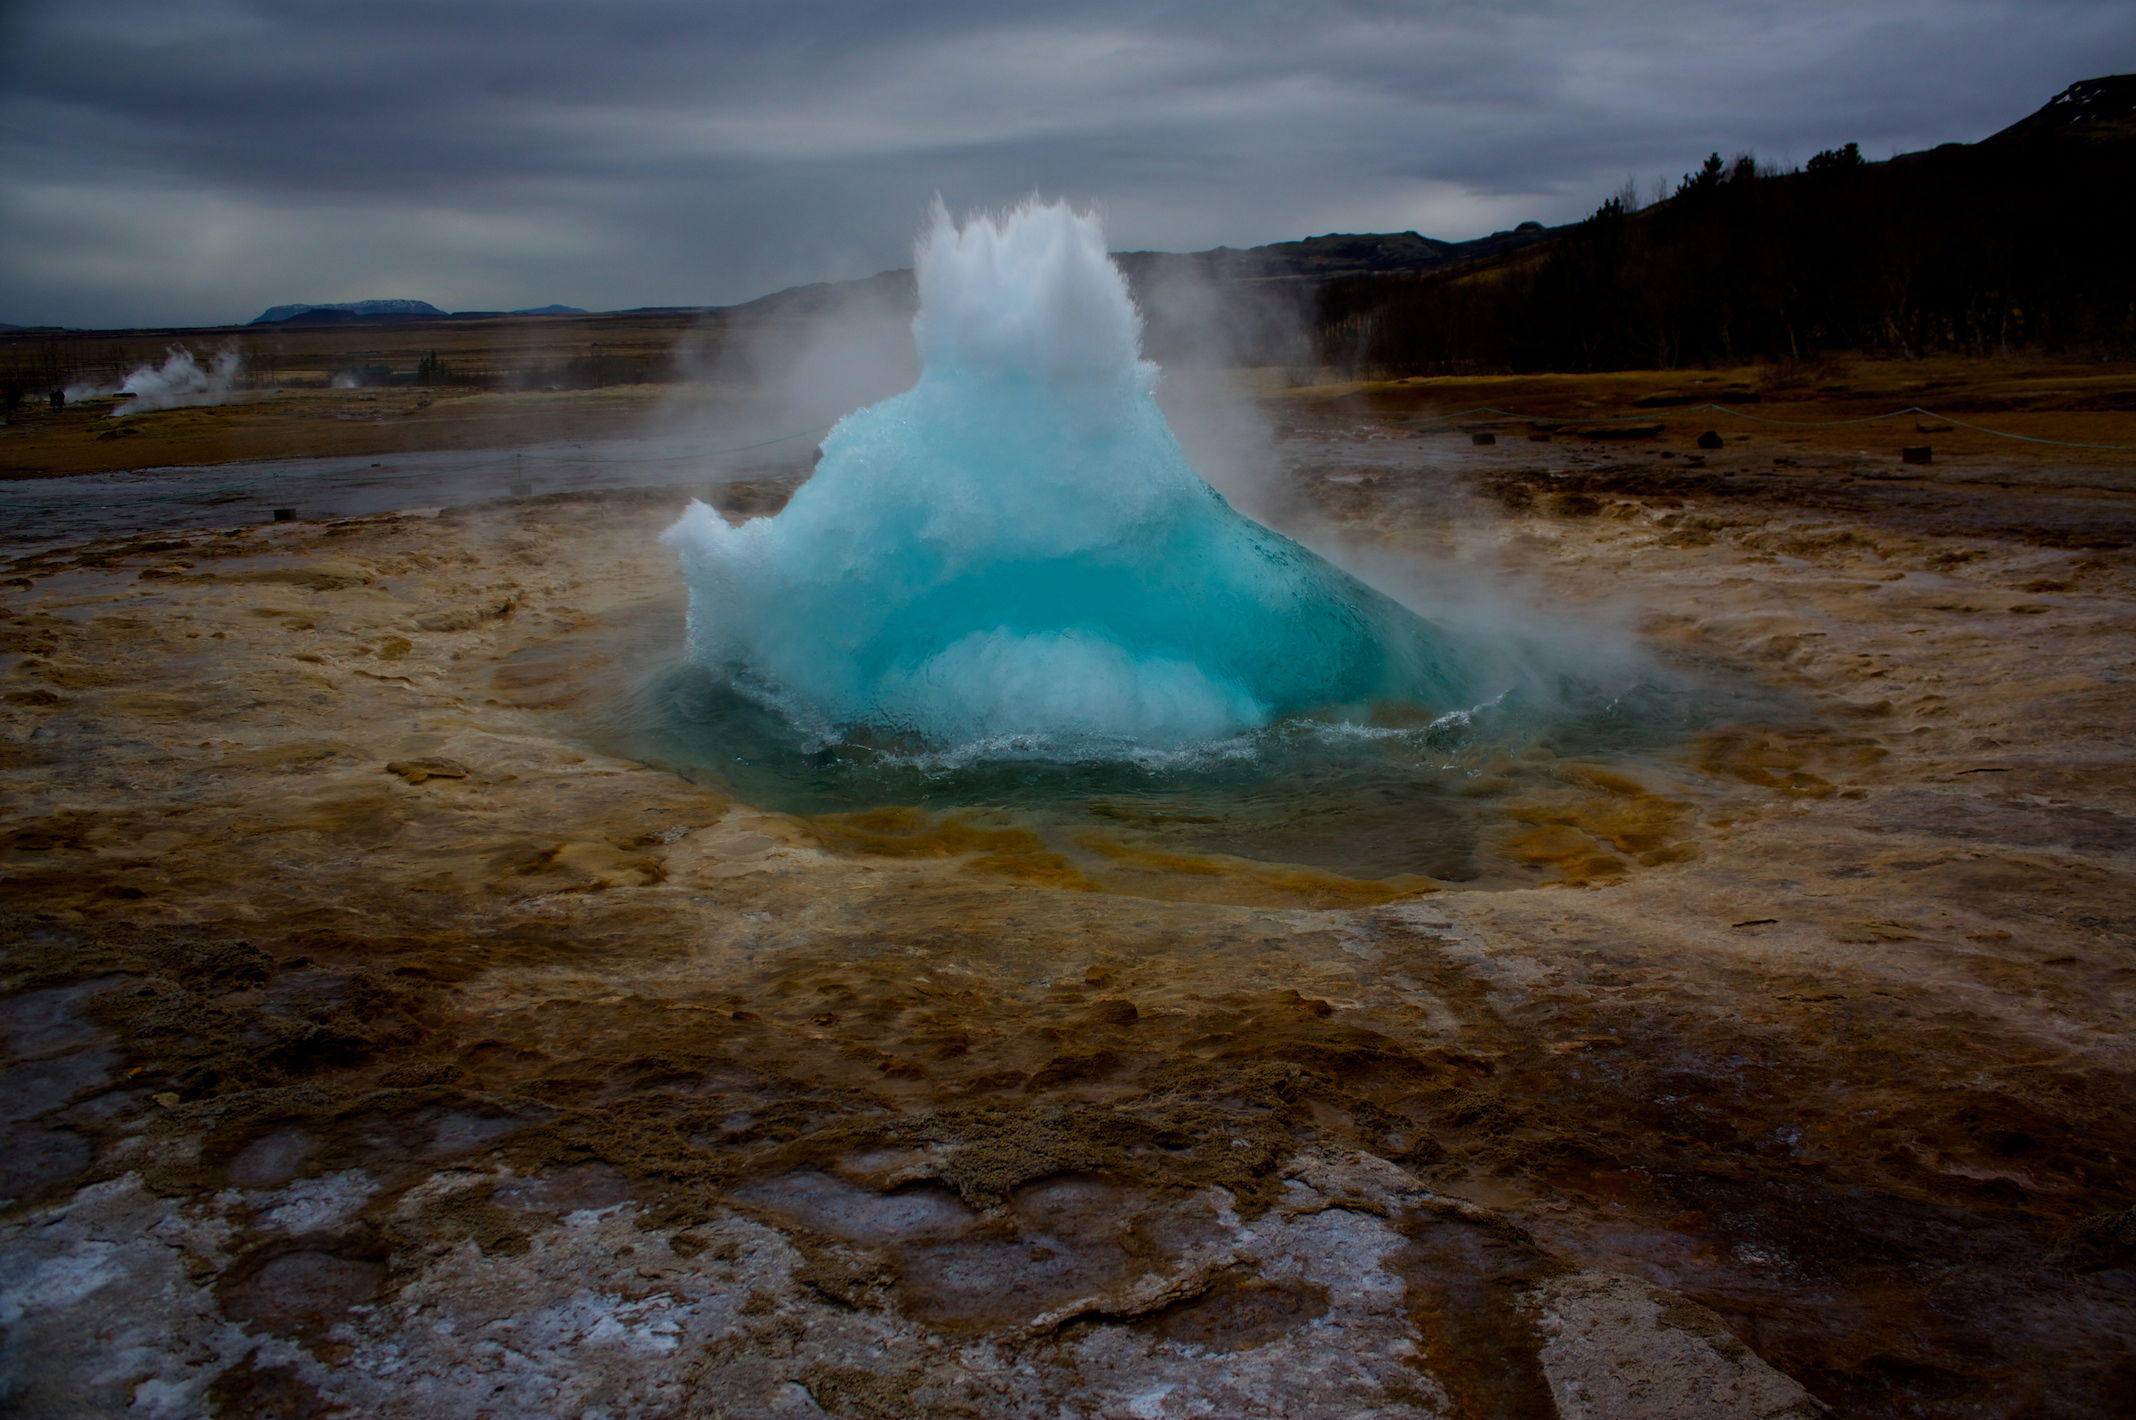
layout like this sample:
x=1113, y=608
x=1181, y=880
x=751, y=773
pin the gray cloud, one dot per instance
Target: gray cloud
x=182, y=164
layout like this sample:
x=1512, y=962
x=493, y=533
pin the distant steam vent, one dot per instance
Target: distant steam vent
x=181, y=382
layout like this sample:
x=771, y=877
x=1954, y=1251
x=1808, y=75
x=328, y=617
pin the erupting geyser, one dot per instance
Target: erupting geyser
x=1016, y=550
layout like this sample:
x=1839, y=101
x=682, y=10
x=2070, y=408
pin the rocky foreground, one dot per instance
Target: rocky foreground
x=380, y=1046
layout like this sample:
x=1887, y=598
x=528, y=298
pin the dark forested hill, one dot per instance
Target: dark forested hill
x=2023, y=240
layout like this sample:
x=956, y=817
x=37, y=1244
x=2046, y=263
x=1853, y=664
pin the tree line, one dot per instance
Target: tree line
x=1965, y=249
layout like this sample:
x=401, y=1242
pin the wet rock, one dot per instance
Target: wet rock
x=273, y=1158
x=263, y=1392
x=50, y=1021
x=459, y=1132
x=299, y=1291
x=579, y=1188
x=1238, y=1314
x=316, y=1205
x=418, y=771
x=586, y=867
x=1619, y=1347
x=37, y=1087
x=39, y=1159
x=323, y=575
x=860, y=1214
x=467, y=617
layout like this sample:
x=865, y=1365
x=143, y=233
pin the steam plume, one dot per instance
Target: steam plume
x=180, y=382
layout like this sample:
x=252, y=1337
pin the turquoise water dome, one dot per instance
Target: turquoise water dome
x=1015, y=552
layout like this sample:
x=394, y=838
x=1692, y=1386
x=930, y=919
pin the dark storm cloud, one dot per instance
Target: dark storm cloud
x=196, y=162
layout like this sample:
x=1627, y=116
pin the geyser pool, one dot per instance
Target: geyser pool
x=1006, y=592
x=1016, y=554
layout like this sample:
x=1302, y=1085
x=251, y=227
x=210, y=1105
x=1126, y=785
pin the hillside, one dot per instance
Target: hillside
x=2090, y=110
x=2017, y=241
x=1336, y=254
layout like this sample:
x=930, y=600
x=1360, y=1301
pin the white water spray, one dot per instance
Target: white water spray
x=1016, y=551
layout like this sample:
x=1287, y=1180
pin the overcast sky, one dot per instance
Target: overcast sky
x=194, y=161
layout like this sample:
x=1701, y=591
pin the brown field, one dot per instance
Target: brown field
x=286, y=408
x=383, y=1041
x=308, y=423
x=288, y=412
x=499, y=348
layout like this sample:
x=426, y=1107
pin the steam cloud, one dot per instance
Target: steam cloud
x=180, y=382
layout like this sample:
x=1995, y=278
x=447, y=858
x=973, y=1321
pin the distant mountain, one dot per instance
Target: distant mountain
x=347, y=312
x=1336, y=254
x=341, y=311
x=1305, y=260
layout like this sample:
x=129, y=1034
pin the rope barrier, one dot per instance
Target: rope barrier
x=2028, y=438
x=1788, y=423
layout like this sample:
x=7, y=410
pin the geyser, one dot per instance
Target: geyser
x=1015, y=552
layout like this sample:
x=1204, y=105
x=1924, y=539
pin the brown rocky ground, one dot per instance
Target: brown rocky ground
x=380, y=1046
